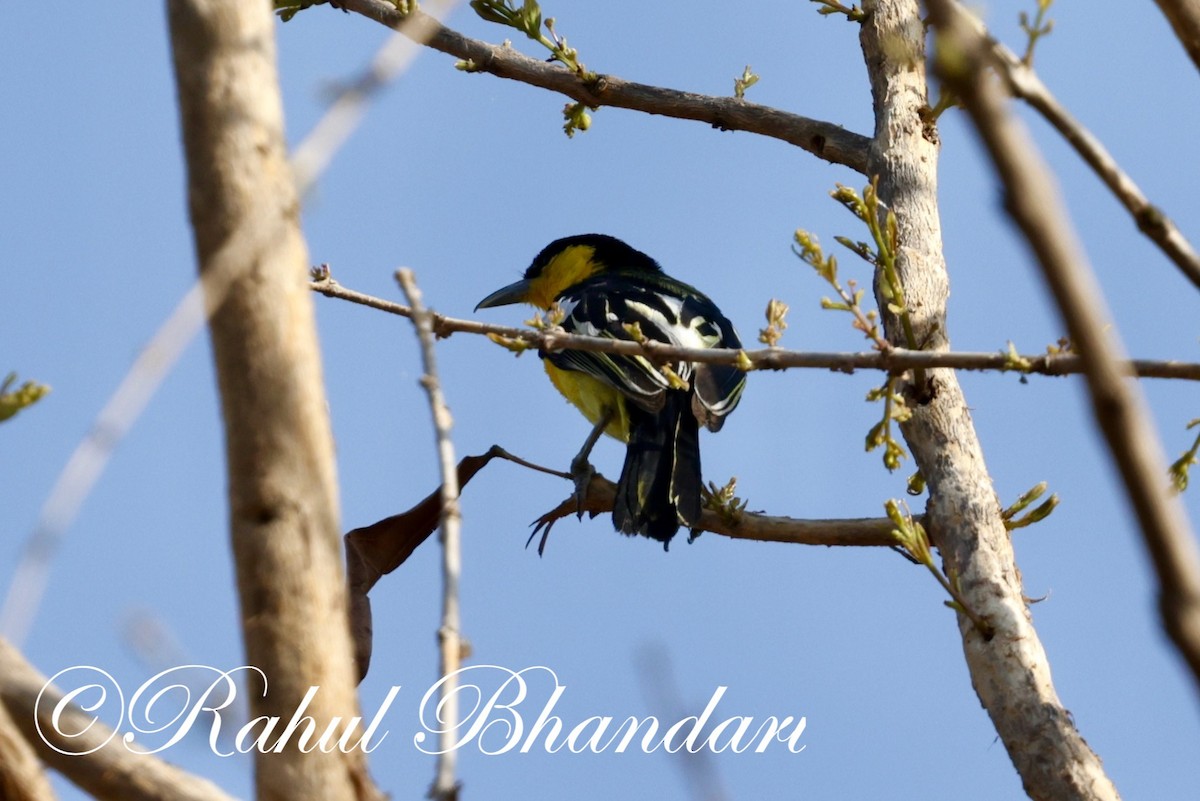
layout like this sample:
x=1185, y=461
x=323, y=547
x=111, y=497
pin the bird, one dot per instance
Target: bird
x=603, y=287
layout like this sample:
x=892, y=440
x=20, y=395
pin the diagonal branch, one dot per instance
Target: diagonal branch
x=1184, y=16
x=90, y=457
x=1024, y=83
x=893, y=360
x=823, y=139
x=22, y=776
x=313, y=154
x=1119, y=408
x=83, y=749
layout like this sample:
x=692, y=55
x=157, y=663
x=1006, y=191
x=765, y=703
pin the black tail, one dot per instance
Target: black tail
x=659, y=486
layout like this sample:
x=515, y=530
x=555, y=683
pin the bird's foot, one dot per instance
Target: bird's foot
x=581, y=473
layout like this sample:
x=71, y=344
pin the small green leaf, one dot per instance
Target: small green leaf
x=496, y=11
x=24, y=396
x=827, y=303
x=740, y=85
x=531, y=19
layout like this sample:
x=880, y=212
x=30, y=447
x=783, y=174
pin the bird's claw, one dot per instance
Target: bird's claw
x=581, y=473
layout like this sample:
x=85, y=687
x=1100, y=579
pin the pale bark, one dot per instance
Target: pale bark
x=110, y=771
x=282, y=487
x=22, y=777
x=445, y=785
x=1008, y=666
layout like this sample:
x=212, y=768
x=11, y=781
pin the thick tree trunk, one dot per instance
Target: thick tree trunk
x=1009, y=668
x=282, y=488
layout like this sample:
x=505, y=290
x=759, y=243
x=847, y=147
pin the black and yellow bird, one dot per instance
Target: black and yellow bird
x=604, y=288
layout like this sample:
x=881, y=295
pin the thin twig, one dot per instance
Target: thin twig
x=90, y=458
x=312, y=156
x=1118, y=406
x=1024, y=83
x=894, y=360
x=700, y=769
x=92, y=454
x=823, y=139
x=445, y=784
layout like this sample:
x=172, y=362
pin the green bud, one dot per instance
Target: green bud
x=496, y=11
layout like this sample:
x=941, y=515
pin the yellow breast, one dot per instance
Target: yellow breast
x=592, y=397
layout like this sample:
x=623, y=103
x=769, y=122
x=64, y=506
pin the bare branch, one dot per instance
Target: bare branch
x=823, y=139
x=1119, y=408
x=893, y=360
x=1184, y=16
x=90, y=457
x=22, y=777
x=109, y=770
x=283, y=493
x=852, y=532
x=445, y=784
x=1008, y=665
x=1024, y=83
x=378, y=549
x=313, y=154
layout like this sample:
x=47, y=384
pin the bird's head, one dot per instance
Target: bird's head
x=566, y=262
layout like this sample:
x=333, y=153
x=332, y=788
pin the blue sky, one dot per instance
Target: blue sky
x=464, y=178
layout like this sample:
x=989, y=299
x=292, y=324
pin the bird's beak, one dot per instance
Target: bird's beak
x=513, y=293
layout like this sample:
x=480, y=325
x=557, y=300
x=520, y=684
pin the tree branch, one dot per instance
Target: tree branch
x=110, y=770
x=1009, y=668
x=1184, y=16
x=282, y=488
x=1118, y=407
x=1024, y=83
x=313, y=154
x=893, y=360
x=156, y=360
x=445, y=784
x=823, y=139
x=22, y=777
x=756, y=526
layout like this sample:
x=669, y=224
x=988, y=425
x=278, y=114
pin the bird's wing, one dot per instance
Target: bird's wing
x=664, y=311
x=698, y=323
x=604, y=308
x=718, y=386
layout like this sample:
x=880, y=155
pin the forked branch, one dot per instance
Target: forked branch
x=1024, y=83
x=1118, y=406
